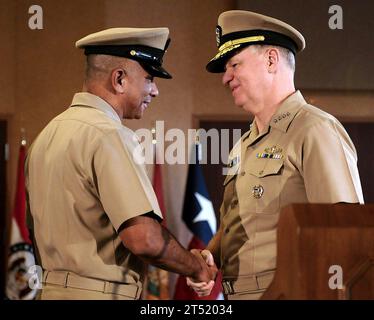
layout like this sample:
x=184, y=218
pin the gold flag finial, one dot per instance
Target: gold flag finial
x=153, y=131
x=23, y=137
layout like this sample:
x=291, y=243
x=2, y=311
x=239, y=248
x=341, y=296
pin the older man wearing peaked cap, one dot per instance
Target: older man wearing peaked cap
x=91, y=207
x=293, y=152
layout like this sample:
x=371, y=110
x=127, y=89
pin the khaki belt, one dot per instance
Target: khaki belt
x=71, y=280
x=248, y=283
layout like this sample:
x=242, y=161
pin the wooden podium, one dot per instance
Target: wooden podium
x=324, y=252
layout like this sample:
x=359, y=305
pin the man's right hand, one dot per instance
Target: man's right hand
x=146, y=238
x=204, y=288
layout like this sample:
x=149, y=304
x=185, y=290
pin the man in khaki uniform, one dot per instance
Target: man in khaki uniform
x=293, y=152
x=92, y=208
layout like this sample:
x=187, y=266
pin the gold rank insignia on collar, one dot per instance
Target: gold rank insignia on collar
x=281, y=117
x=271, y=153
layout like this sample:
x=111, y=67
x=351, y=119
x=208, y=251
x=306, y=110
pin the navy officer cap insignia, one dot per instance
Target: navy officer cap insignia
x=239, y=29
x=218, y=35
x=145, y=45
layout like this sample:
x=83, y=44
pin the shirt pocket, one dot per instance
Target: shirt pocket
x=266, y=185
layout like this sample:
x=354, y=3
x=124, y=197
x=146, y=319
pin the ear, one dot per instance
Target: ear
x=118, y=80
x=272, y=62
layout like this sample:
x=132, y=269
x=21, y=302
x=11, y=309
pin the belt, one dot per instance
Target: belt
x=71, y=280
x=256, y=282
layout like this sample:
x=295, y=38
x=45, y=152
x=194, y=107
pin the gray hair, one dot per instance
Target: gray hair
x=286, y=54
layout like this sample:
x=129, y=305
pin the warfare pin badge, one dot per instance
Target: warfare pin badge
x=271, y=153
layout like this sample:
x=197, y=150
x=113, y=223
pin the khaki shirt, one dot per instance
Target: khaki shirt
x=82, y=184
x=304, y=155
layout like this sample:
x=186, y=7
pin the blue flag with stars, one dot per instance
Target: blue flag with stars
x=199, y=216
x=198, y=211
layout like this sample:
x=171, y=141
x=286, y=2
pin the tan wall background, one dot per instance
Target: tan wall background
x=41, y=70
x=7, y=57
x=338, y=58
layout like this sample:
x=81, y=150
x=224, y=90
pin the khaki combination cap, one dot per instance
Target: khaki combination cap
x=238, y=28
x=145, y=45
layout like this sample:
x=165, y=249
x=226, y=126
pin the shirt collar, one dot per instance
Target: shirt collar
x=287, y=111
x=280, y=120
x=93, y=101
x=253, y=135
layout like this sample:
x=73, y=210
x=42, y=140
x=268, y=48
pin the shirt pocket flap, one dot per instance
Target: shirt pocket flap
x=261, y=170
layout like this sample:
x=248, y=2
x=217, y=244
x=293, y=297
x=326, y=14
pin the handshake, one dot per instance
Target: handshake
x=204, y=284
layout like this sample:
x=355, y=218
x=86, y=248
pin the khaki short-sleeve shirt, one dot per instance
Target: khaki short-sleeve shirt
x=304, y=155
x=83, y=182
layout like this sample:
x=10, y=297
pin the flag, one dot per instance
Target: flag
x=21, y=284
x=19, y=212
x=158, y=279
x=198, y=214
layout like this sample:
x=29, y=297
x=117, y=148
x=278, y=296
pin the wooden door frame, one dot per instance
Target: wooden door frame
x=4, y=216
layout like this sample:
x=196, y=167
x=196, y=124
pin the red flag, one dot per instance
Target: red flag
x=157, y=186
x=158, y=279
x=19, y=212
x=21, y=284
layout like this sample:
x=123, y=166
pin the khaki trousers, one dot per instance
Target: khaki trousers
x=62, y=285
x=253, y=295
x=54, y=292
x=250, y=287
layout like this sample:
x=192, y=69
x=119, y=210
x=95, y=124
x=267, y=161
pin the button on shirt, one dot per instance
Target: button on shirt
x=83, y=183
x=304, y=155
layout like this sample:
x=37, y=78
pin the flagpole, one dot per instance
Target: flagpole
x=198, y=148
x=19, y=210
x=154, y=144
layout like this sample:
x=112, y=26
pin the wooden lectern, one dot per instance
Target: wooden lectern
x=324, y=252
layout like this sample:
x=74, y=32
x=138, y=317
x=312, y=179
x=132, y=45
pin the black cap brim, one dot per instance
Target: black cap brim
x=156, y=71
x=233, y=42
x=149, y=58
x=218, y=65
